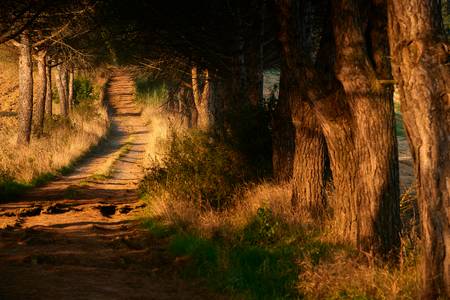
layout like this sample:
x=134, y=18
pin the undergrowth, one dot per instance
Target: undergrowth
x=63, y=143
x=249, y=244
x=150, y=92
x=195, y=166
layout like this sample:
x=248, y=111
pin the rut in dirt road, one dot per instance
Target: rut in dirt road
x=76, y=237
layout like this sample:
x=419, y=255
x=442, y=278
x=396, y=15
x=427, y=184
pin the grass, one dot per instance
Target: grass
x=45, y=158
x=64, y=141
x=256, y=248
x=150, y=92
x=259, y=250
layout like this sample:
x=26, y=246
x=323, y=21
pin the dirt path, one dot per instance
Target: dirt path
x=76, y=239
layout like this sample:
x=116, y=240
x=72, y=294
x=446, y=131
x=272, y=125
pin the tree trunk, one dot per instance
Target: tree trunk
x=254, y=55
x=308, y=175
x=202, y=100
x=49, y=94
x=283, y=132
x=375, y=162
x=195, y=91
x=420, y=66
x=61, y=84
x=42, y=91
x=70, y=75
x=25, y=90
x=357, y=121
x=309, y=156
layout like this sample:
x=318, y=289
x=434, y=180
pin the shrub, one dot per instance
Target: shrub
x=197, y=168
x=82, y=90
x=150, y=91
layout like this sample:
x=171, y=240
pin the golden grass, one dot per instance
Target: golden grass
x=58, y=148
x=9, y=81
x=347, y=276
x=63, y=141
x=160, y=124
x=344, y=274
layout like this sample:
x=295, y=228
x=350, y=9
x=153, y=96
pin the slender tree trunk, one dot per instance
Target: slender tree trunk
x=420, y=66
x=62, y=91
x=49, y=94
x=202, y=100
x=195, y=91
x=283, y=132
x=42, y=91
x=70, y=75
x=205, y=120
x=25, y=90
x=65, y=86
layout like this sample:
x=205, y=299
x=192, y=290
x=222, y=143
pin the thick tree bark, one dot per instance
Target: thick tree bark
x=308, y=175
x=309, y=156
x=61, y=84
x=25, y=112
x=283, y=132
x=357, y=121
x=49, y=94
x=376, y=194
x=42, y=91
x=420, y=67
x=70, y=79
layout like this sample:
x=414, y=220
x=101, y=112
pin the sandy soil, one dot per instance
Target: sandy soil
x=78, y=237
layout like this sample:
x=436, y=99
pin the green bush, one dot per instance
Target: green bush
x=82, y=90
x=197, y=168
x=150, y=91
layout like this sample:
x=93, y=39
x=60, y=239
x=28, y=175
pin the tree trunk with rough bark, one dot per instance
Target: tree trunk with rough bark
x=41, y=92
x=420, y=66
x=357, y=121
x=370, y=143
x=283, y=132
x=308, y=174
x=61, y=84
x=202, y=99
x=25, y=90
x=70, y=79
x=49, y=93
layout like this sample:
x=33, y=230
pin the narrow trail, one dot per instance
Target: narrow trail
x=77, y=238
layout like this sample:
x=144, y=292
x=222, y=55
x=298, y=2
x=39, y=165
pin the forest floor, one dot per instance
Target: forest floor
x=79, y=237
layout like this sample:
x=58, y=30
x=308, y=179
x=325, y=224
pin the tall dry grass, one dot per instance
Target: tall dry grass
x=328, y=269
x=340, y=272
x=64, y=140
x=62, y=143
